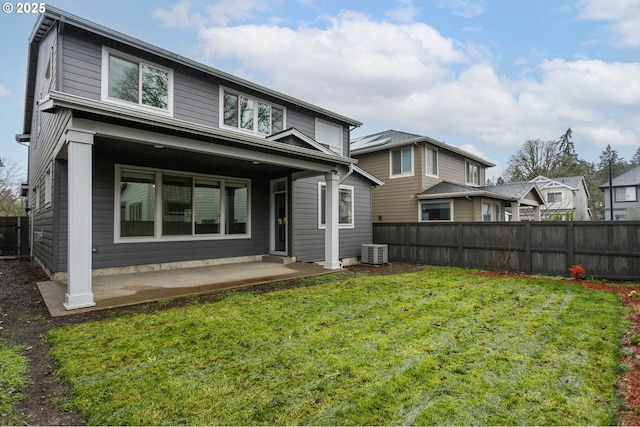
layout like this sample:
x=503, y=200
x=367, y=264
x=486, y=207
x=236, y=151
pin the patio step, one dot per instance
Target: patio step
x=278, y=259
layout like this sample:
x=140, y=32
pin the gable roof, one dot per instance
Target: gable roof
x=510, y=192
x=629, y=178
x=389, y=139
x=570, y=182
x=52, y=14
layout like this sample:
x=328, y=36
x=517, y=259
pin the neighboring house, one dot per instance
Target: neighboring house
x=626, y=190
x=428, y=180
x=566, y=198
x=142, y=159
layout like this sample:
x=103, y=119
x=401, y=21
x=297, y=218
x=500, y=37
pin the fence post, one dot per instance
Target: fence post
x=570, y=245
x=527, y=248
x=460, y=242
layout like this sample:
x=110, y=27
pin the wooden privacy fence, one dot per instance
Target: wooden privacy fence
x=14, y=236
x=606, y=249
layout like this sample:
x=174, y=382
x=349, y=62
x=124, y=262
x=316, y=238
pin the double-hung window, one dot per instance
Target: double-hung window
x=401, y=162
x=248, y=114
x=626, y=194
x=490, y=212
x=431, y=161
x=554, y=196
x=472, y=174
x=127, y=80
x=345, y=206
x=173, y=205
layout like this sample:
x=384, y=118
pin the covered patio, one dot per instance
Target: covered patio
x=120, y=290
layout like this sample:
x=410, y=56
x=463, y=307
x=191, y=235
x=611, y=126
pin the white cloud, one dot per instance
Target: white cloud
x=223, y=12
x=408, y=76
x=3, y=91
x=405, y=12
x=623, y=16
x=464, y=8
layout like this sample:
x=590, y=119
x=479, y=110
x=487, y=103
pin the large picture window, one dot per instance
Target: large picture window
x=253, y=115
x=490, y=212
x=435, y=211
x=164, y=205
x=136, y=83
x=345, y=206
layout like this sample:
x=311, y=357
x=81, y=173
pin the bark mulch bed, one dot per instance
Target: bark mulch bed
x=24, y=321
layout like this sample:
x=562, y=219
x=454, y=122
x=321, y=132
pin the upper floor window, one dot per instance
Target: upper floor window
x=329, y=134
x=251, y=115
x=626, y=194
x=134, y=82
x=402, y=161
x=431, y=158
x=473, y=174
x=554, y=196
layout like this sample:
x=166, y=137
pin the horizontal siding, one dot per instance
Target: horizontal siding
x=81, y=66
x=196, y=99
x=309, y=239
x=392, y=201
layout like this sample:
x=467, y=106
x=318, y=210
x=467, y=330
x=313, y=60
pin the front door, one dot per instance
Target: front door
x=279, y=216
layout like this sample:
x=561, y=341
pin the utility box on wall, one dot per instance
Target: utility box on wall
x=374, y=254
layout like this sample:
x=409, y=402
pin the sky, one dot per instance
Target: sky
x=482, y=75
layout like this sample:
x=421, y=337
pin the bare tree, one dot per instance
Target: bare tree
x=11, y=178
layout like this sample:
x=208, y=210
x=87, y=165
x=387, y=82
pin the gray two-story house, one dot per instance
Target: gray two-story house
x=140, y=158
x=621, y=196
x=427, y=180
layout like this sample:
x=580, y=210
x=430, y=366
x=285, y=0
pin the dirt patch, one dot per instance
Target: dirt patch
x=25, y=320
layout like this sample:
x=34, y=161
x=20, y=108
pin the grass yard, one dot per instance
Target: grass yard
x=13, y=368
x=440, y=346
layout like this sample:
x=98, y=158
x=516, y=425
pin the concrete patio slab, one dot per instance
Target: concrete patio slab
x=129, y=289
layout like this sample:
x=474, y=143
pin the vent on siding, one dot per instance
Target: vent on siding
x=374, y=254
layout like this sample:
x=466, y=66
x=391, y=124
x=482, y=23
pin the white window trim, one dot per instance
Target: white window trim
x=48, y=186
x=404, y=174
x=428, y=202
x=353, y=202
x=493, y=204
x=615, y=194
x=426, y=169
x=466, y=170
x=336, y=149
x=556, y=192
x=158, y=237
x=104, y=90
x=256, y=101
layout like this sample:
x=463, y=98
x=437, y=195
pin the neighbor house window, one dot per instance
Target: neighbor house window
x=490, y=212
x=473, y=174
x=626, y=194
x=164, y=205
x=329, y=134
x=402, y=161
x=48, y=186
x=431, y=159
x=249, y=114
x=435, y=211
x=345, y=205
x=554, y=196
x=138, y=83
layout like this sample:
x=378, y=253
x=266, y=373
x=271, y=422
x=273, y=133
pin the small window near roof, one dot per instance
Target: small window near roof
x=329, y=134
x=402, y=161
x=250, y=115
x=431, y=161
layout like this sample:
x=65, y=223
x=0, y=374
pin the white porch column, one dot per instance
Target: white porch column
x=79, y=158
x=536, y=213
x=332, y=214
x=515, y=211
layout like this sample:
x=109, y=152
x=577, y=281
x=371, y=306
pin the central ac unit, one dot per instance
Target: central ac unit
x=374, y=254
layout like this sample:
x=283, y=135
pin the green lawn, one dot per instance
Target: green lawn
x=13, y=368
x=439, y=346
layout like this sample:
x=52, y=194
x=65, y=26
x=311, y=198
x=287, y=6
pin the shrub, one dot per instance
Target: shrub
x=577, y=271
